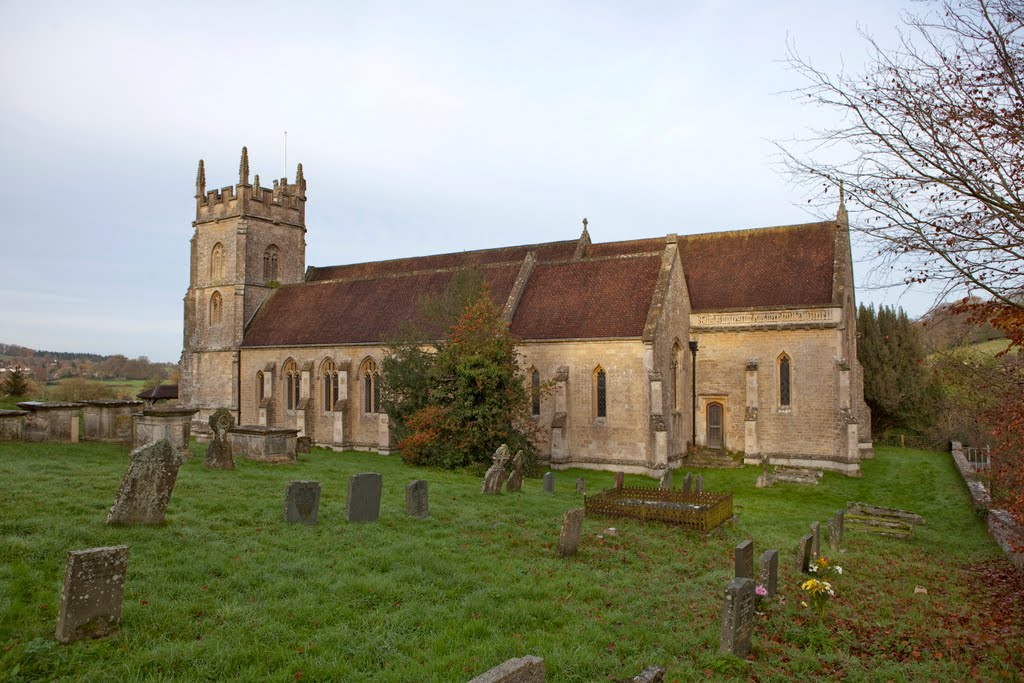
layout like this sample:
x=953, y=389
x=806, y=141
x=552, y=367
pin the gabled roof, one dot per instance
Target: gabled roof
x=159, y=392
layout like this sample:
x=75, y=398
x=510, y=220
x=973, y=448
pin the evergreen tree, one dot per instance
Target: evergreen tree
x=16, y=383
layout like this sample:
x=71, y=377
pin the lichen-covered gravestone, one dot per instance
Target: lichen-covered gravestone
x=218, y=453
x=770, y=572
x=90, y=602
x=581, y=486
x=495, y=475
x=364, y=491
x=515, y=477
x=549, y=482
x=147, y=485
x=569, y=537
x=416, y=501
x=302, y=502
x=743, y=557
x=737, y=618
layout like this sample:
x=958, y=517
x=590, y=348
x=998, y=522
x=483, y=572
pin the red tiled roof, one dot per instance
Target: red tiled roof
x=587, y=299
x=626, y=247
x=762, y=268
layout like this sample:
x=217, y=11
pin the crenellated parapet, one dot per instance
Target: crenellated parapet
x=284, y=203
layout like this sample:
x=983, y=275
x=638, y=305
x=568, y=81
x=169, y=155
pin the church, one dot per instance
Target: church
x=742, y=343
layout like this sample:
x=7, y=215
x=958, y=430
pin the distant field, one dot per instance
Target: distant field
x=123, y=388
x=986, y=348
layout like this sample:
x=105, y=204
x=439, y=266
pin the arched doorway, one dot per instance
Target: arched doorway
x=714, y=431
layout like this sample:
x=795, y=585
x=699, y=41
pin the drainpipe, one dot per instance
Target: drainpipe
x=693, y=393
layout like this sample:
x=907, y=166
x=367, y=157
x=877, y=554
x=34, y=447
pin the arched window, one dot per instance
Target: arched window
x=534, y=392
x=216, y=305
x=330, y=377
x=677, y=368
x=217, y=262
x=371, y=386
x=600, y=392
x=785, y=381
x=259, y=386
x=270, y=263
x=292, y=380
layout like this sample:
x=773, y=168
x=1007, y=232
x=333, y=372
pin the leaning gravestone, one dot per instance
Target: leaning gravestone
x=803, y=554
x=302, y=502
x=416, y=502
x=495, y=475
x=737, y=618
x=147, y=485
x=815, y=540
x=528, y=669
x=769, y=577
x=569, y=538
x=700, y=483
x=688, y=483
x=90, y=603
x=581, y=486
x=666, y=480
x=549, y=482
x=218, y=453
x=363, y=503
x=620, y=480
x=743, y=557
x=515, y=477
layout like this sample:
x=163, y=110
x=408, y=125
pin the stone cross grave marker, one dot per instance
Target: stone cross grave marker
x=620, y=480
x=364, y=491
x=147, y=485
x=549, y=482
x=688, y=483
x=803, y=554
x=666, y=479
x=770, y=572
x=416, y=501
x=815, y=540
x=218, y=453
x=528, y=669
x=515, y=477
x=302, y=502
x=581, y=486
x=569, y=538
x=90, y=602
x=737, y=618
x=700, y=483
x=743, y=557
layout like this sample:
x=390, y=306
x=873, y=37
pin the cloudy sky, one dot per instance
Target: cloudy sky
x=423, y=127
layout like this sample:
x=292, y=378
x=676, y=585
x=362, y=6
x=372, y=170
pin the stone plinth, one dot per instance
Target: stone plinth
x=173, y=423
x=109, y=420
x=51, y=421
x=263, y=444
x=12, y=424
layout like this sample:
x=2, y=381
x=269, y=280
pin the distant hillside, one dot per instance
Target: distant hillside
x=52, y=365
x=941, y=329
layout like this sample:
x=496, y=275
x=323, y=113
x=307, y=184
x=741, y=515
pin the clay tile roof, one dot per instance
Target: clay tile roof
x=763, y=268
x=160, y=391
x=644, y=246
x=367, y=310
x=550, y=251
x=587, y=299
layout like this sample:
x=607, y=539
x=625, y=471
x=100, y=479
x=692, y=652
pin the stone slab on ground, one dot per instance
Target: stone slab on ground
x=90, y=601
x=867, y=510
x=528, y=669
x=652, y=674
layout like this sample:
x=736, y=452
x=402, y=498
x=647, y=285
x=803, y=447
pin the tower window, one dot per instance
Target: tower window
x=535, y=393
x=600, y=393
x=217, y=262
x=216, y=304
x=785, y=388
x=330, y=377
x=292, y=380
x=270, y=263
x=371, y=386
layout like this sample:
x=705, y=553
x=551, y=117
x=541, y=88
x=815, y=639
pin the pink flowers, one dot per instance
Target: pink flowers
x=761, y=590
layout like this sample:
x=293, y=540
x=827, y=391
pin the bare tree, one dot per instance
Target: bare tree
x=931, y=147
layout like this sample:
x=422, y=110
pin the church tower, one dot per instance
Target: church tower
x=248, y=240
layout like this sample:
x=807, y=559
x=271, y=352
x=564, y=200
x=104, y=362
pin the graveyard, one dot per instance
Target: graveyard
x=443, y=583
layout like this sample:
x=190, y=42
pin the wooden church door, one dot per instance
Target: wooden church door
x=714, y=426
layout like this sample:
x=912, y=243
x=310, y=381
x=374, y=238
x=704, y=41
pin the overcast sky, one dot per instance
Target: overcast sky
x=423, y=127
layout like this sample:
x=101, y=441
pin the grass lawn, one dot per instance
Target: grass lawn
x=225, y=590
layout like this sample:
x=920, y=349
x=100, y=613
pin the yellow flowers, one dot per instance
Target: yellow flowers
x=819, y=593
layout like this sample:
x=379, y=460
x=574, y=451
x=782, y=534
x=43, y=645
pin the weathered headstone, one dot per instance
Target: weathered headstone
x=303, y=444
x=700, y=483
x=737, y=618
x=764, y=480
x=218, y=453
x=770, y=572
x=527, y=669
x=569, y=538
x=581, y=486
x=90, y=602
x=495, y=475
x=515, y=477
x=652, y=674
x=666, y=479
x=815, y=540
x=803, y=554
x=147, y=485
x=416, y=501
x=743, y=557
x=302, y=502
x=364, y=491
x=620, y=480
x=549, y=482
x=835, y=536
x=688, y=483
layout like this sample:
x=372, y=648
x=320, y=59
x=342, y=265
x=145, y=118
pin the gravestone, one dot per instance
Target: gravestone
x=581, y=486
x=815, y=540
x=620, y=480
x=90, y=602
x=515, y=477
x=495, y=475
x=666, y=479
x=416, y=502
x=549, y=482
x=688, y=483
x=218, y=453
x=737, y=618
x=569, y=538
x=147, y=485
x=652, y=674
x=803, y=554
x=303, y=444
x=700, y=483
x=363, y=504
x=770, y=572
x=302, y=502
x=743, y=557
x=834, y=535
x=528, y=669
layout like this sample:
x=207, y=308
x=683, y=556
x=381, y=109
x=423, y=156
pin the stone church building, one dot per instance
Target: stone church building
x=742, y=341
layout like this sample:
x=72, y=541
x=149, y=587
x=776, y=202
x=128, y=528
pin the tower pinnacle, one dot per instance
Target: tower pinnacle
x=243, y=168
x=200, y=180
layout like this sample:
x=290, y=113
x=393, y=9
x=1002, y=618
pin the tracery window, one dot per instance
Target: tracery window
x=292, y=382
x=330, y=377
x=371, y=386
x=270, y=263
x=600, y=392
x=216, y=305
x=217, y=262
x=785, y=381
